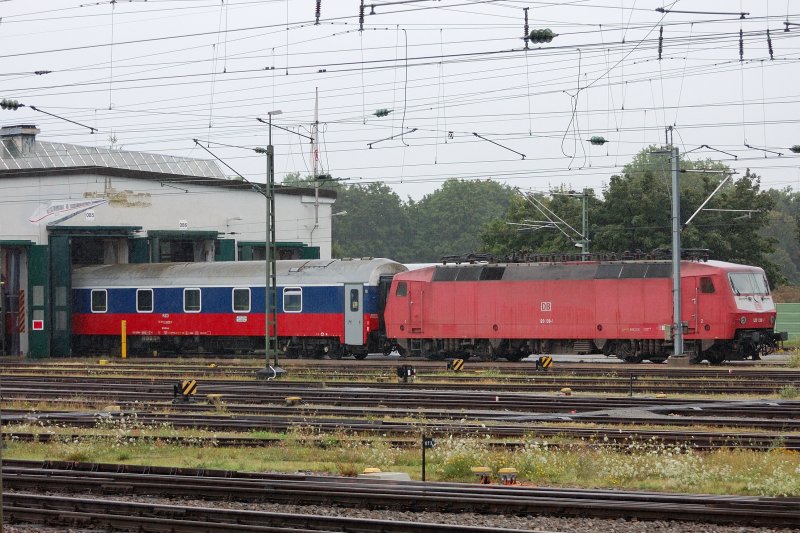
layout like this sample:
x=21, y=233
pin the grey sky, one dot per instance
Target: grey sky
x=447, y=69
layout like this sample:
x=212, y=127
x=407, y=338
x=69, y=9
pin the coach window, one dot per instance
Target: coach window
x=354, y=299
x=191, y=300
x=241, y=300
x=402, y=289
x=706, y=285
x=292, y=299
x=144, y=300
x=99, y=301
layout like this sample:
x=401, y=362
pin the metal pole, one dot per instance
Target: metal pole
x=423, y=457
x=585, y=228
x=677, y=326
x=267, y=247
x=273, y=256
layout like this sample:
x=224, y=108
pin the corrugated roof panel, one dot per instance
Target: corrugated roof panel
x=60, y=155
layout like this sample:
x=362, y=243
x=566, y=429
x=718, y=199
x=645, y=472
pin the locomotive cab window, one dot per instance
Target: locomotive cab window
x=241, y=300
x=191, y=300
x=354, y=299
x=292, y=300
x=748, y=283
x=706, y=285
x=144, y=300
x=402, y=289
x=99, y=301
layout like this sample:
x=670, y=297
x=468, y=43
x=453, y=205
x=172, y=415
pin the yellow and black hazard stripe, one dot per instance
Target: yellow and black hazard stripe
x=189, y=387
x=456, y=365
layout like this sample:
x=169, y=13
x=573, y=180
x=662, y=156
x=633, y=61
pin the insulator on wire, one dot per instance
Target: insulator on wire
x=361, y=16
x=527, y=31
x=10, y=104
x=795, y=149
x=741, y=45
x=541, y=36
x=318, y=11
x=769, y=45
x=597, y=140
x=660, y=41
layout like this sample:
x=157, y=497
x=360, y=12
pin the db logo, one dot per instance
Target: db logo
x=547, y=306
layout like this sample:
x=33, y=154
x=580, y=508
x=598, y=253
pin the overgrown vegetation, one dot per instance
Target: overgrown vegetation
x=561, y=462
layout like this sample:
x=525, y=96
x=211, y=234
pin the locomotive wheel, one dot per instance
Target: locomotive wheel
x=360, y=356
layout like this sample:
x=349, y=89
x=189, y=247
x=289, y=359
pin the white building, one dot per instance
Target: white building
x=63, y=205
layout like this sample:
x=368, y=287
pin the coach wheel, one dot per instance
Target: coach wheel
x=360, y=356
x=657, y=360
x=387, y=348
x=336, y=352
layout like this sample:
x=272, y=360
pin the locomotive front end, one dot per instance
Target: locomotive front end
x=754, y=314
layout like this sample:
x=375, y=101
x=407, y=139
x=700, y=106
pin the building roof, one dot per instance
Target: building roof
x=41, y=158
x=49, y=155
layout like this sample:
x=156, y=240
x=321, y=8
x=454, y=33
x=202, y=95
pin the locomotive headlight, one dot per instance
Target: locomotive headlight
x=743, y=320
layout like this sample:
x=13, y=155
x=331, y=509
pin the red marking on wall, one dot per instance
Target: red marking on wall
x=37, y=325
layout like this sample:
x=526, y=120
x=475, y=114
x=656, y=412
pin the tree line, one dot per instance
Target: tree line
x=741, y=223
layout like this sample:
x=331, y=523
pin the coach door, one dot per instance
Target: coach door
x=353, y=314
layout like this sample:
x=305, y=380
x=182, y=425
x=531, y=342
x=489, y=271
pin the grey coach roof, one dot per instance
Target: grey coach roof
x=238, y=273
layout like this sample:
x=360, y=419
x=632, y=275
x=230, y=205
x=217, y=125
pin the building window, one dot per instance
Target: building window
x=292, y=300
x=144, y=300
x=191, y=300
x=354, y=300
x=706, y=285
x=241, y=300
x=402, y=289
x=99, y=301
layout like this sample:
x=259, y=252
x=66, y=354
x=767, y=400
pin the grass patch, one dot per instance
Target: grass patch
x=788, y=392
x=555, y=462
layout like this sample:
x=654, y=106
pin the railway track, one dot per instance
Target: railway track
x=513, y=428
x=120, y=480
x=543, y=382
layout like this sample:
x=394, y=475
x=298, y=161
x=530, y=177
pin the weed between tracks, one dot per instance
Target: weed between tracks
x=648, y=465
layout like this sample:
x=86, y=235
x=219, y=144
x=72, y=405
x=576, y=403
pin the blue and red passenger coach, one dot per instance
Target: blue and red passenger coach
x=329, y=307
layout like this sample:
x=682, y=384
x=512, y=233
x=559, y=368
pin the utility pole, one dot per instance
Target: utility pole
x=677, y=325
x=315, y=162
x=585, y=226
x=271, y=288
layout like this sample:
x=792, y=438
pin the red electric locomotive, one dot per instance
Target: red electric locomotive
x=618, y=308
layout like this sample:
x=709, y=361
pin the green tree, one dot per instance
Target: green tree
x=449, y=221
x=533, y=224
x=636, y=212
x=375, y=225
x=784, y=226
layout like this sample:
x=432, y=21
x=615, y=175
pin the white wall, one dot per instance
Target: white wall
x=157, y=206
